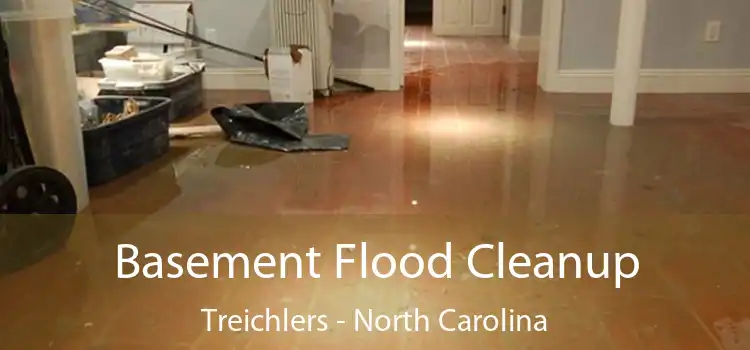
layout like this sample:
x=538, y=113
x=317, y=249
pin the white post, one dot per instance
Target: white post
x=628, y=62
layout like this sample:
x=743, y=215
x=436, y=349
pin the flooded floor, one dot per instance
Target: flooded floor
x=469, y=153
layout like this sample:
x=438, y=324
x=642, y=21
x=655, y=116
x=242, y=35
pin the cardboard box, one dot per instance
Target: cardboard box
x=290, y=75
x=122, y=52
x=177, y=14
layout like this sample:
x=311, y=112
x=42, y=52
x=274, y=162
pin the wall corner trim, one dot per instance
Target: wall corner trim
x=524, y=42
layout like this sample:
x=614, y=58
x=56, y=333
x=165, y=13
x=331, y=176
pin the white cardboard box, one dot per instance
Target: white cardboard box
x=290, y=81
x=177, y=14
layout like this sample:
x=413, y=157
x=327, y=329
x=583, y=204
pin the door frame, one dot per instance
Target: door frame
x=506, y=19
x=397, y=24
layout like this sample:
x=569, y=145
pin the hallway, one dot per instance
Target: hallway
x=470, y=152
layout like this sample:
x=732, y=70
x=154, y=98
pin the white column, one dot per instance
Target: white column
x=628, y=62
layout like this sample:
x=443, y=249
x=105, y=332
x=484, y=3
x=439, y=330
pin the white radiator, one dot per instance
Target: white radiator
x=309, y=23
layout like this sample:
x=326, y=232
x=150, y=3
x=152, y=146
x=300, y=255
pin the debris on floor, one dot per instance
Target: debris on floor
x=194, y=131
x=279, y=126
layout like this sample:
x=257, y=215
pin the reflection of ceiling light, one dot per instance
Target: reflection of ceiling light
x=415, y=43
x=478, y=125
x=465, y=126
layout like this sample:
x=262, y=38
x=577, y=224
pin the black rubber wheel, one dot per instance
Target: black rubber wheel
x=38, y=207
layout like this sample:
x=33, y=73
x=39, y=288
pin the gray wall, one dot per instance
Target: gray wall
x=360, y=38
x=674, y=34
x=239, y=24
x=531, y=21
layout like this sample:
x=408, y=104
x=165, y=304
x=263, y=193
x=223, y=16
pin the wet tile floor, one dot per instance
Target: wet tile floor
x=469, y=153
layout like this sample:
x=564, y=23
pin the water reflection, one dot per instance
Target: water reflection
x=614, y=183
x=27, y=239
x=734, y=335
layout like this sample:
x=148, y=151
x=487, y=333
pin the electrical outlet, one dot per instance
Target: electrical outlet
x=713, y=31
x=210, y=34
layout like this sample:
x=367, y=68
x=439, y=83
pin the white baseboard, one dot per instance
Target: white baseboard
x=676, y=81
x=255, y=78
x=377, y=78
x=524, y=42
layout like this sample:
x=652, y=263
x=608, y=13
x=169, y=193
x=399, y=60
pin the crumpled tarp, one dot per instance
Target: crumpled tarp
x=280, y=126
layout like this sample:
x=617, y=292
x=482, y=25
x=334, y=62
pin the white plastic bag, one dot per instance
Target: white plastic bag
x=89, y=111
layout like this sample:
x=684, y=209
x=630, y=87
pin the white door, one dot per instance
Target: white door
x=469, y=17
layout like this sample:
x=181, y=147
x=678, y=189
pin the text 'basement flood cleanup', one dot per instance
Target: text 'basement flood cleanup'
x=619, y=266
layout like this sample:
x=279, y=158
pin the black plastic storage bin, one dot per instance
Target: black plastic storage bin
x=185, y=90
x=115, y=149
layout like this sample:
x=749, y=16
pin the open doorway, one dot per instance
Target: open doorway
x=448, y=19
x=457, y=18
x=418, y=12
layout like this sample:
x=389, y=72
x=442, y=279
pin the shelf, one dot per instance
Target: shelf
x=107, y=27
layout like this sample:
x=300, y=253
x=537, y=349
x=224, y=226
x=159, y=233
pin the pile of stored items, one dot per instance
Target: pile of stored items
x=92, y=118
x=128, y=72
x=123, y=134
x=145, y=83
x=157, y=77
x=129, y=109
x=127, y=125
